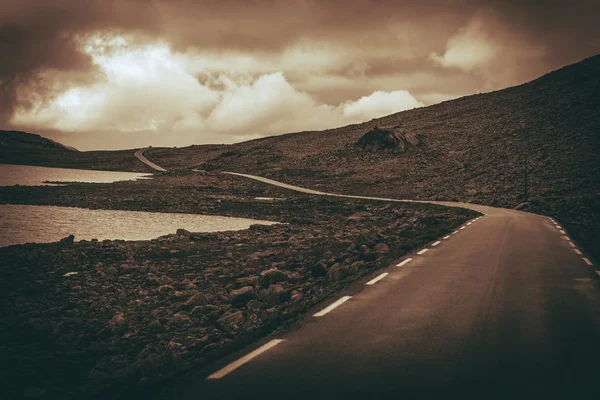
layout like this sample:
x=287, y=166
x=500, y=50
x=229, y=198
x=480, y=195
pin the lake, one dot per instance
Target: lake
x=28, y=175
x=39, y=224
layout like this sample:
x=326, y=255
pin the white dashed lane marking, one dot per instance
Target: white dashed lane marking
x=248, y=357
x=587, y=261
x=571, y=244
x=563, y=232
x=577, y=251
x=403, y=263
x=462, y=227
x=332, y=306
x=422, y=252
x=436, y=243
x=446, y=237
x=377, y=279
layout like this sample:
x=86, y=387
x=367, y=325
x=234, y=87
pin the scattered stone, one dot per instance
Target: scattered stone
x=198, y=299
x=254, y=306
x=241, y=296
x=67, y=240
x=70, y=273
x=271, y=276
x=381, y=248
x=231, y=321
x=275, y=295
x=338, y=272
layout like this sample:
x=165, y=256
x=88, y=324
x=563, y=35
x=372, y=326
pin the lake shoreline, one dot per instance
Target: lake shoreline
x=118, y=318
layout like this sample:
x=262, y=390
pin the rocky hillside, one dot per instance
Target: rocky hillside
x=23, y=148
x=24, y=140
x=472, y=149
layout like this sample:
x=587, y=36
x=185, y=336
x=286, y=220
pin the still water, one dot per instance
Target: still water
x=27, y=175
x=38, y=224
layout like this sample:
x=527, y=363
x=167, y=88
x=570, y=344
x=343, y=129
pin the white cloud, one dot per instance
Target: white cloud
x=470, y=48
x=153, y=96
x=379, y=104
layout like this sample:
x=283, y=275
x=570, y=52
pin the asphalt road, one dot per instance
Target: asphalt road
x=507, y=306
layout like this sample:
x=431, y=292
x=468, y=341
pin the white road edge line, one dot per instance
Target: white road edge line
x=455, y=232
x=558, y=227
x=330, y=307
x=436, y=243
x=563, y=232
x=566, y=237
x=377, y=279
x=469, y=223
x=462, y=227
x=587, y=261
x=446, y=237
x=577, y=251
x=422, y=252
x=403, y=263
x=248, y=357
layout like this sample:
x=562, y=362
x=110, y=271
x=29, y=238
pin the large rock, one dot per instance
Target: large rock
x=387, y=139
x=338, y=272
x=67, y=240
x=240, y=297
x=275, y=295
x=198, y=299
x=272, y=276
x=231, y=321
x=381, y=248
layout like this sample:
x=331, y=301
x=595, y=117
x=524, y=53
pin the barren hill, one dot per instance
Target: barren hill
x=472, y=149
x=24, y=140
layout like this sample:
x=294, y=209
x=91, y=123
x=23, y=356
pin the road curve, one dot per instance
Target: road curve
x=140, y=155
x=470, y=206
x=504, y=306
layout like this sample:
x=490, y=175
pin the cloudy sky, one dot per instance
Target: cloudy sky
x=108, y=74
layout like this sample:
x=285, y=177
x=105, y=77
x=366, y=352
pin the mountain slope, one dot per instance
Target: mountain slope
x=469, y=149
x=24, y=140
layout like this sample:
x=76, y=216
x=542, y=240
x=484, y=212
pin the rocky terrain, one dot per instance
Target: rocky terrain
x=476, y=148
x=111, y=319
x=24, y=148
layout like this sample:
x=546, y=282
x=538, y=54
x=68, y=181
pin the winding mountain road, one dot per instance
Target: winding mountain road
x=506, y=305
x=140, y=155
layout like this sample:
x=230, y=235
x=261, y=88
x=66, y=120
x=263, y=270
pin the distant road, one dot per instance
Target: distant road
x=140, y=154
x=506, y=305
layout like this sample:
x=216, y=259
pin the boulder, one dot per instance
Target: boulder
x=198, y=299
x=231, y=321
x=272, y=276
x=67, y=240
x=255, y=306
x=275, y=295
x=338, y=271
x=381, y=248
x=240, y=297
x=387, y=139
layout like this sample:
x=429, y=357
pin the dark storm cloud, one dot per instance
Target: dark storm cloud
x=383, y=42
